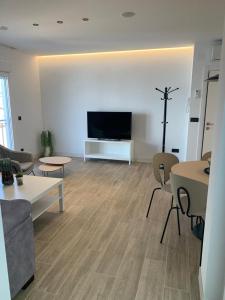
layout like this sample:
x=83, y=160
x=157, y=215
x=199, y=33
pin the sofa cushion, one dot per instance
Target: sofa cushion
x=26, y=166
x=14, y=212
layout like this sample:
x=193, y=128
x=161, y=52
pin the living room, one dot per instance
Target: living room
x=111, y=57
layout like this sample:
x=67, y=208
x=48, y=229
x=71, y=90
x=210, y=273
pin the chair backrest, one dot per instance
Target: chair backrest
x=190, y=195
x=165, y=160
x=207, y=155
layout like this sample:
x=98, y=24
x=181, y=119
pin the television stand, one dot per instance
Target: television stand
x=109, y=149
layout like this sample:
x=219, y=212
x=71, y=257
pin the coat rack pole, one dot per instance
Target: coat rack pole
x=165, y=98
x=164, y=120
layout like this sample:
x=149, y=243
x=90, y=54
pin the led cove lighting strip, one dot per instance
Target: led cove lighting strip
x=115, y=52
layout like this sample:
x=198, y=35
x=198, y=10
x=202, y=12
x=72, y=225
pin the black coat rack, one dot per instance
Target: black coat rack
x=165, y=98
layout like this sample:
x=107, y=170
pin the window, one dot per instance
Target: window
x=6, y=132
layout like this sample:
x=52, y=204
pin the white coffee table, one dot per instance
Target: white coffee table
x=56, y=160
x=36, y=190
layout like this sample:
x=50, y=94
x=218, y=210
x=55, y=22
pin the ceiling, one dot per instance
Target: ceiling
x=157, y=23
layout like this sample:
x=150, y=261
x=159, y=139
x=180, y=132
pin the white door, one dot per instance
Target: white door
x=210, y=114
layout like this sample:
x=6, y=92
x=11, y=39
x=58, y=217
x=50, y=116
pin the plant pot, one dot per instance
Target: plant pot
x=19, y=180
x=47, y=151
x=7, y=178
x=7, y=174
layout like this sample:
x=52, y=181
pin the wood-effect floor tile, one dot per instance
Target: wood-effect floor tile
x=103, y=247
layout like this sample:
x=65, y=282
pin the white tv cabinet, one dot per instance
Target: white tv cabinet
x=109, y=149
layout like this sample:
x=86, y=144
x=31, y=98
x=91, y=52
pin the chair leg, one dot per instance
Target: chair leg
x=30, y=173
x=178, y=219
x=203, y=224
x=167, y=219
x=28, y=283
x=150, y=203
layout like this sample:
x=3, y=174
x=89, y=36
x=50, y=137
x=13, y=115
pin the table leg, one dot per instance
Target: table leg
x=61, y=198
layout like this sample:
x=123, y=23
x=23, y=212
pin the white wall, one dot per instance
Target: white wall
x=213, y=256
x=74, y=84
x=24, y=85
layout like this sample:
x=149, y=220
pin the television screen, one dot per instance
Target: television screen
x=109, y=125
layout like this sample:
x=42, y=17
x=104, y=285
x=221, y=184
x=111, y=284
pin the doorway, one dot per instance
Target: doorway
x=210, y=112
x=6, y=132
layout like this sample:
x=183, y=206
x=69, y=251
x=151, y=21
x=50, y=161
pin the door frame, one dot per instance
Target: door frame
x=212, y=67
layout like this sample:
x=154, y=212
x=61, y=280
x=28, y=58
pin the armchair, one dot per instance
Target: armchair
x=21, y=161
x=19, y=243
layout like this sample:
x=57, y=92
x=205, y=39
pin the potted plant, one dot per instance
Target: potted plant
x=19, y=178
x=46, y=143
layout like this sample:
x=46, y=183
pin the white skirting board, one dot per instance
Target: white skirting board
x=75, y=155
x=200, y=284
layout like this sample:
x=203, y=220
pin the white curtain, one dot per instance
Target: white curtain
x=5, y=113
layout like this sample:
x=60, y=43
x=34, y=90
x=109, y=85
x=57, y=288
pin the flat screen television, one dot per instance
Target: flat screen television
x=109, y=125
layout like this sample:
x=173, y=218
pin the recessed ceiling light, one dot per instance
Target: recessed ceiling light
x=35, y=24
x=3, y=27
x=85, y=19
x=60, y=22
x=128, y=14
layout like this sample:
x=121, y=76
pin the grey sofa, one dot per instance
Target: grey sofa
x=19, y=243
x=21, y=161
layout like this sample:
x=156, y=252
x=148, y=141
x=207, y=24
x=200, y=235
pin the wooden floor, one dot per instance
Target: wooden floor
x=103, y=247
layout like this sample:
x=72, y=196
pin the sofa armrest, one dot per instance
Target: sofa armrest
x=14, y=212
